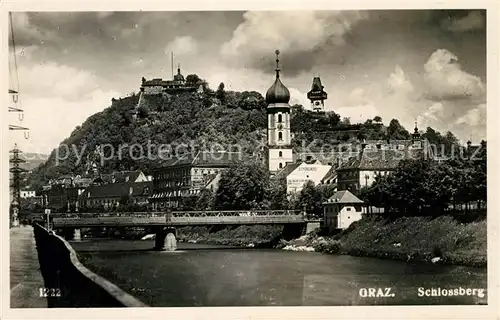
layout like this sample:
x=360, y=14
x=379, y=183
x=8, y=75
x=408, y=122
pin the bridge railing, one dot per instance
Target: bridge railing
x=211, y=213
x=235, y=213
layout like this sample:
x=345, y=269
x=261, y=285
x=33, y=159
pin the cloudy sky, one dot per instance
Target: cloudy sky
x=425, y=65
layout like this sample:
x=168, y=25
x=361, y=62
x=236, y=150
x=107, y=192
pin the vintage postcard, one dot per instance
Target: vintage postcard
x=292, y=161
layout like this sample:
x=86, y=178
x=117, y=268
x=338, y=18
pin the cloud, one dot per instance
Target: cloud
x=446, y=80
x=475, y=20
x=474, y=117
x=299, y=97
x=398, y=82
x=52, y=119
x=182, y=46
x=434, y=113
x=358, y=113
x=57, y=80
x=301, y=36
x=26, y=32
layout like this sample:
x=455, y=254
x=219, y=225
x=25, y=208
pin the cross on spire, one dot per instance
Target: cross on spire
x=277, y=64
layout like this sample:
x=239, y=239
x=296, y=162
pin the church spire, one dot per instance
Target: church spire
x=277, y=64
x=277, y=93
x=416, y=134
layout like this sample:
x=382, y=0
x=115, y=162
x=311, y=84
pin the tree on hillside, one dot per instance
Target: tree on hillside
x=395, y=131
x=143, y=112
x=220, y=93
x=346, y=121
x=377, y=119
x=193, y=79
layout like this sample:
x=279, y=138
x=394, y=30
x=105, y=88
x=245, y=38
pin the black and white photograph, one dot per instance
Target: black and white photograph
x=246, y=158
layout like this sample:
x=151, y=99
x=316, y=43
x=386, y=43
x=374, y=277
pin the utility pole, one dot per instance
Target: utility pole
x=16, y=159
x=16, y=171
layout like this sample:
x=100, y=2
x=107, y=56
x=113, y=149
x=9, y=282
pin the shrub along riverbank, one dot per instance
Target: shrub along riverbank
x=407, y=238
x=258, y=235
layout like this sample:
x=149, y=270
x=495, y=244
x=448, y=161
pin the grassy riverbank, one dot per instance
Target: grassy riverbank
x=258, y=235
x=408, y=239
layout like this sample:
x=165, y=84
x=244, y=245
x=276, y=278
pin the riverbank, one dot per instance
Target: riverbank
x=442, y=239
x=243, y=236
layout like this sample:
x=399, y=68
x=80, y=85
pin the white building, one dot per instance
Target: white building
x=305, y=172
x=28, y=194
x=342, y=209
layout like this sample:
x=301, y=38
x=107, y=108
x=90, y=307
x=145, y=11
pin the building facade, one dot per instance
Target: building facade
x=112, y=195
x=186, y=176
x=305, y=172
x=160, y=86
x=342, y=209
x=378, y=158
x=28, y=194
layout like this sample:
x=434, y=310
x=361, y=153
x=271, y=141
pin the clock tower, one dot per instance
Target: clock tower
x=317, y=95
x=278, y=124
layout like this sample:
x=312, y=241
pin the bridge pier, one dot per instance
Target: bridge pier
x=292, y=231
x=165, y=239
x=77, y=235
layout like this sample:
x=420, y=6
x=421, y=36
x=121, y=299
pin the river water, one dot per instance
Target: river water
x=204, y=275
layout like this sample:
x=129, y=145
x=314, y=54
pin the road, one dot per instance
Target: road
x=25, y=275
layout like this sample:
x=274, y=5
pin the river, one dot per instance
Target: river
x=204, y=275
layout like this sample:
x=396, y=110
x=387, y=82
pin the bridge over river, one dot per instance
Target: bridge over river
x=163, y=223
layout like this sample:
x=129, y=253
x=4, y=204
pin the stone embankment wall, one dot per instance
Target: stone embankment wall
x=68, y=283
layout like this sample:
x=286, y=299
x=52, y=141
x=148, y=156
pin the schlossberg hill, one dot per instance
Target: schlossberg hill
x=196, y=120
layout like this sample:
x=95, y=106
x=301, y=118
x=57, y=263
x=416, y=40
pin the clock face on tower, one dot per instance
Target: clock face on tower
x=280, y=126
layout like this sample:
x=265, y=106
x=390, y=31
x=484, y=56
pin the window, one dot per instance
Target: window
x=280, y=136
x=281, y=165
x=348, y=209
x=280, y=119
x=280, y=154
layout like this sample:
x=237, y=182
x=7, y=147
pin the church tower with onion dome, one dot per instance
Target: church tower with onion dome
x=278, y=124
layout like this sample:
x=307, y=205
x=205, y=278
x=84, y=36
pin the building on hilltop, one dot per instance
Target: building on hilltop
x=186, y=175
x=159, y=86
x=317, y=95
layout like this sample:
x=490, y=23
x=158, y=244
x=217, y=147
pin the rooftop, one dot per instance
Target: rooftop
x=343, y=196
